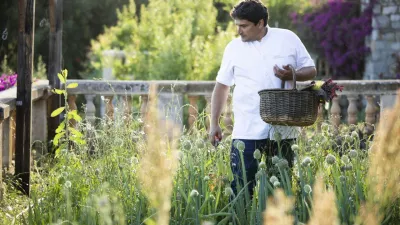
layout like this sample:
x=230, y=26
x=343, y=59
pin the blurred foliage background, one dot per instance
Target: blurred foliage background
x=162, y=39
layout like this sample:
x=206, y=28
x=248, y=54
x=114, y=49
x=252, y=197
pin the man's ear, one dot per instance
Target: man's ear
x=261, y=24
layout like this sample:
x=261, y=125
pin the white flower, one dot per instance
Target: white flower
x=257, y=154
x=273, y=179
x=282, y=164
x=307, y=189
x=68, y=184
x=295, y=148
x=240, y=146
x=275, y=159
x=354, y=134
x=206, y=178
x=262, y=165
x=228, y=191
x=194, y=193
x=277, y=184
x=306, y=161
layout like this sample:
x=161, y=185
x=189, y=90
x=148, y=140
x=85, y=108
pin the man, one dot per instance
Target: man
x=258, y=59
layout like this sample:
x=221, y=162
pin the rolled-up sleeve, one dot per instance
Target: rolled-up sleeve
x=303, y=58
x=225, y=73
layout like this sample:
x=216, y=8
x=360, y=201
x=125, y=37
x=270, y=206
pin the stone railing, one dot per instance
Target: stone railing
x=40, y=93
x=360, y=101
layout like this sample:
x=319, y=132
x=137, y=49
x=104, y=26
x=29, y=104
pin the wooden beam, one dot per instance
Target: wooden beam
x=24, y=91
x=55, y=59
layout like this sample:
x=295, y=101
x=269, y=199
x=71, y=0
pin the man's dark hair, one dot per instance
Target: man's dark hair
x=251, y=10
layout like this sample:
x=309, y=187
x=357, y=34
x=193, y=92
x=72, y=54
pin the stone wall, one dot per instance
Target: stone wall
x=384, y=41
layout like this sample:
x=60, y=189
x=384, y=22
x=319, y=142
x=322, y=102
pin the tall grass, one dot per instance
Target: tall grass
x=141, y=172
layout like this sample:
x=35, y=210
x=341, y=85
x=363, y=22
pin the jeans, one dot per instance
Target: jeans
x=266, y=146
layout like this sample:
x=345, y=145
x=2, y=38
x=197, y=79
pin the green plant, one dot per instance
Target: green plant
x=65, y=132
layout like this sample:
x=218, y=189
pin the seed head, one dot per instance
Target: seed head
x=194, y=193
x=273, y=179
x=353, y=153
x=306, y=161
x=277, y=184
x=262, y=165
x=275, y=159
x=68, y=184
x=295, y=148
x=307, y=189
x=206, y=178
x=330, y=159
x=257, y=154
x=282, y=164
x=240, y=145
x=228, y=191
x=345, y=159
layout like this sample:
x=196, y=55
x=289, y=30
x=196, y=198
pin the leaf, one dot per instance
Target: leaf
x=62, y=79
x=72, y=85
x=78, y=141
x=58, y=91
x=74, y=115
x=60, y=127
x=57, y=111
x=75, y=132
x=65, y=73
x=57, y=138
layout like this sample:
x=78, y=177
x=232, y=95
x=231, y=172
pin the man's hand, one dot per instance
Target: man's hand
x=283, y=74
x=215, y=135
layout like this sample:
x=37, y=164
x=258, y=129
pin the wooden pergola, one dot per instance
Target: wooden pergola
x=26, y=34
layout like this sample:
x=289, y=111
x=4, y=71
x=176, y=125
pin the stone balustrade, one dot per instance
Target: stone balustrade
x=40, y=93
x=363, y=100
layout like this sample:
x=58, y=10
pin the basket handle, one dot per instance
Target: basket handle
x=294, y=78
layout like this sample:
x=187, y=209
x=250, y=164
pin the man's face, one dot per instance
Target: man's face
x=248, y=31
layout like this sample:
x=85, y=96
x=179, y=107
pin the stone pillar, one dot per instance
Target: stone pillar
x=39, y=125
x=108, y=58
x=384, y=41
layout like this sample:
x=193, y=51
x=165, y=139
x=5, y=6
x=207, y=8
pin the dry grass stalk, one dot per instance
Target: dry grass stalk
x=324, y=207
x=384, y=171
x=279, y=209
x=159, y=161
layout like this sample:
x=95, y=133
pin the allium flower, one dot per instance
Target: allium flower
x=295, y=148
x=187, y=145
x=273, y=179
x=353, y=153
x=200, y=143
x=275, y=159
x=228, y=191
x=306, y=161
x=277, y=184
x=206, y=178
x=68, y=184
x=354, y=134
x=282, y=164
x=240, y=145
x=345, y=159
x=307, y=189
x=212, y=198
x=194, y=193
x=257, y=154
x=347, y=138
x=262, y=165
x=330, y=159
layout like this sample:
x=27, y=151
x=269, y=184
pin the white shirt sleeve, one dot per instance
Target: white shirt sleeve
x=303, y=58
x=225, y=73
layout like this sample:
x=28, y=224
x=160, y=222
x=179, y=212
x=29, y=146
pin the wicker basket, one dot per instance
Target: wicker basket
x=288, y=107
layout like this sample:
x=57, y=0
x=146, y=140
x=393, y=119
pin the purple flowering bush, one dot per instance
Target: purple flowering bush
x=338, y=29
x=7, y=81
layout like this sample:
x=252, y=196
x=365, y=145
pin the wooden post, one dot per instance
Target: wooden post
x=24, y=90
x=55, y=59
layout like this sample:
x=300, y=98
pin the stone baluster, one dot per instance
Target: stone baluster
x=109, y=107
x=143, y=106
x=72, y=106
x=127, y=108
x=208, y=111
x=193, y=110
x=228, y=116
x=370, y=113
x=39, y=123
x=90, y=109
x=352, y=109
x=335, y=112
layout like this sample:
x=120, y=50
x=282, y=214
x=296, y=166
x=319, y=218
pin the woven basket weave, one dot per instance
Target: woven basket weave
x=288, y=107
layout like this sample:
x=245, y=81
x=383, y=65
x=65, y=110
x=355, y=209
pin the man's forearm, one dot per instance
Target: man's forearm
x=306, y=73
x=218, y=101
